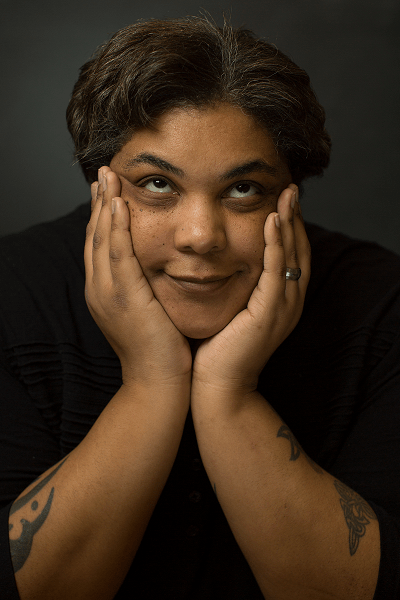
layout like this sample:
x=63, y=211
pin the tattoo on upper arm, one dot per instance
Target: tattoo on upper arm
x=20, y=547
x=296, y=449
x=357, y=514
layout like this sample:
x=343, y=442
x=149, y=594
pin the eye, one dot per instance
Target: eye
x=243, y=190
x=156, y=184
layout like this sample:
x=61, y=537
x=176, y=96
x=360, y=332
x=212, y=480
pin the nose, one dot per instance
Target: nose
x=200, y=227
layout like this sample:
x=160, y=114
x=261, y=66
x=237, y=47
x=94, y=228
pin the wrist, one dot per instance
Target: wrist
x=156, y=378
x=173, y=389
x=224, y=386
x=223, y=394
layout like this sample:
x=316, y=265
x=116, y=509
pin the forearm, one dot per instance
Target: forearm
x=284, y=511
x=95, y=508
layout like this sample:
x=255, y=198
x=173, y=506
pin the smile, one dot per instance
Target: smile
x=199, y=284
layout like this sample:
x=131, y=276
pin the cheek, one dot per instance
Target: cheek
x=147, y=225
x=247, y=240
x=149, y=235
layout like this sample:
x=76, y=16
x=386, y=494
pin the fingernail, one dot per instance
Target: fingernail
x=104, y=183
x=113, y=206
x=293, y=200
x=100, y=177
x=277, y=221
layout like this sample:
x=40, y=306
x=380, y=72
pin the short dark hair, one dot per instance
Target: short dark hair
x=150, y=67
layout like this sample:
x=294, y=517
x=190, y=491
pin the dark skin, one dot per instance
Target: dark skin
x=209, y=235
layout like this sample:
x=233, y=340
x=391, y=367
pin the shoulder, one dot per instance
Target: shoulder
x=33, y=251
x=362, y=261
x=42, y=274
x=353, y=282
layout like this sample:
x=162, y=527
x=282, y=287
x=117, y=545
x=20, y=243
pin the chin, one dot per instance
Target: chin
x=203, y=323
x=200, y=331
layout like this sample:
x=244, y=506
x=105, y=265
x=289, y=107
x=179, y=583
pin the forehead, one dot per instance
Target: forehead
x=211, y=138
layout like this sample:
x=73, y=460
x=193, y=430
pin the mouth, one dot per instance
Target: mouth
x=200, y=284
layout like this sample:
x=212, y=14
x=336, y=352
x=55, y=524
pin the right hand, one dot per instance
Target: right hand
x=120, y=299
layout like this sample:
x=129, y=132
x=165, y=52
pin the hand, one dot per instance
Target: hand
x=234, y=357
x=121, y=300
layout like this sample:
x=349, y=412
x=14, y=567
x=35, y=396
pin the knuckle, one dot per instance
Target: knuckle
x=97, y=240
x=120, y=299
x=115, y=255
x=293, y=258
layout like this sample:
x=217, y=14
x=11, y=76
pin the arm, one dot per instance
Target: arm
x=75, y=531
x=304, y=534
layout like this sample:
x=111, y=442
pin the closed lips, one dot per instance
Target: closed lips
x=200, y=279
x=196, y=284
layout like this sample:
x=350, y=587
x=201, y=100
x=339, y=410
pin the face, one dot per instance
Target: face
x=199, y=188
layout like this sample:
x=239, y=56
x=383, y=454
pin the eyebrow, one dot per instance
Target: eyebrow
x=156, y=161
x=258, y=165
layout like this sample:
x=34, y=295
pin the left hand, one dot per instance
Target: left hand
x=233, y=359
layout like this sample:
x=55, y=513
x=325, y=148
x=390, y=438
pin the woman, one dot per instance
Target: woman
x=160, y=429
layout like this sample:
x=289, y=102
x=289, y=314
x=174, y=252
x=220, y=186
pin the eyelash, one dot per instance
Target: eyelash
x=235, y=185
x=150, y=179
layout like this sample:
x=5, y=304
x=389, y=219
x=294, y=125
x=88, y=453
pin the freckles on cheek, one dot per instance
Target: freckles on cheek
x=148, y=233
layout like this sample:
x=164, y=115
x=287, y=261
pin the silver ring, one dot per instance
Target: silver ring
x=293, y=274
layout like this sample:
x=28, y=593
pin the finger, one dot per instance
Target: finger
x=93, y=191
x=126, y=271
x=108, y=188
x=286, y=209
x=121, y=248
x=272, y=281
x=96, y=192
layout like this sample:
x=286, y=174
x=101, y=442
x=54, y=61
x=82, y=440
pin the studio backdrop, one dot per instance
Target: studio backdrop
x=350, y=48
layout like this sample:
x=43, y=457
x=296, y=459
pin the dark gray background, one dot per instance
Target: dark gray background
x=350, y=48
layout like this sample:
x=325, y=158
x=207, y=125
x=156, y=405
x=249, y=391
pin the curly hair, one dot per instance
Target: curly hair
x=152, y=66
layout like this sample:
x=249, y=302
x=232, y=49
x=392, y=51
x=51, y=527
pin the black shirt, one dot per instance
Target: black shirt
x=335, y=381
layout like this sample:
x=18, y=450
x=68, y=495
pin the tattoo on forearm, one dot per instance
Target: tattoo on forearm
x=357, y=514
x=296, y=449
x=20, y=548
